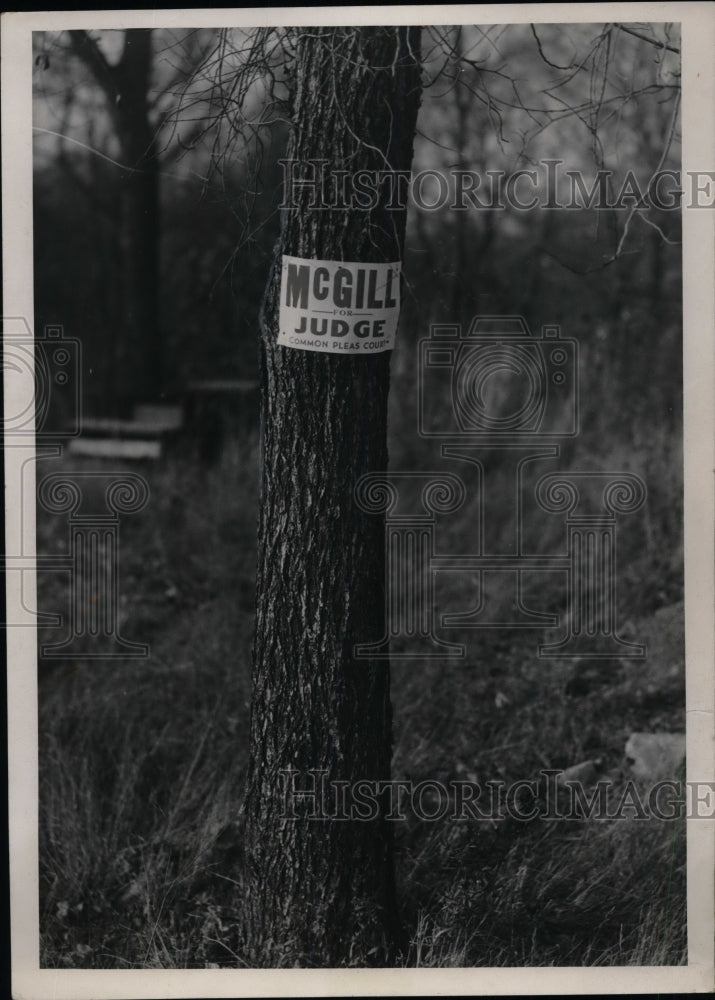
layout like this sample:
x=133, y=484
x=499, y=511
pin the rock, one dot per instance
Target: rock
x=655, y=755
x=586, y=773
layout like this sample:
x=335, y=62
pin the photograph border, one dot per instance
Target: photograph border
x=698, y=154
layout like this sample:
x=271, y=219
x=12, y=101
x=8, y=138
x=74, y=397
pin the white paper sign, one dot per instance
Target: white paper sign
x=339, y=307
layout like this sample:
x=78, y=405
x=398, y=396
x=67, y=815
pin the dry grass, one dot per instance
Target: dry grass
x=142, y=764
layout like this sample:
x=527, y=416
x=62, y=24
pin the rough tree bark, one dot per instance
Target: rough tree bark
x=125, y=85
x=321, y=892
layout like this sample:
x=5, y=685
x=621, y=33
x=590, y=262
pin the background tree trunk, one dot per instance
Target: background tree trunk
x=140, y=214
x=126, y=85
x=321, y=892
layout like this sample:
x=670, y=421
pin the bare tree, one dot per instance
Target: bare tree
x=113, y=95
x=125, y=85
x=321, y=892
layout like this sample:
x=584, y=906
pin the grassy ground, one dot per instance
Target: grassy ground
x=142, y=763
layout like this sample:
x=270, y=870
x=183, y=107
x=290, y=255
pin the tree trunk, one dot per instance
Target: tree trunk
x=321, y=892
x=125, y=85
x=139, y=186
x=142, y=366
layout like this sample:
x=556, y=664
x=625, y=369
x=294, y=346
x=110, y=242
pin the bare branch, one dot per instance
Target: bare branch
x=543, y=54
x=644, y=38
